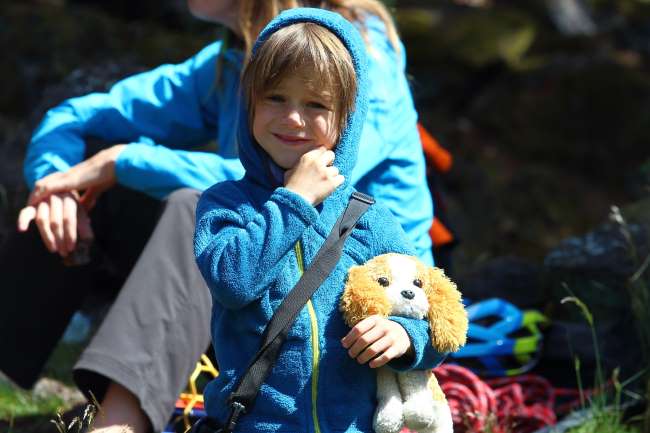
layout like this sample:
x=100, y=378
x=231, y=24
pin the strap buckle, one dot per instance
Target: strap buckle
x=363, y=197
x=237, y=410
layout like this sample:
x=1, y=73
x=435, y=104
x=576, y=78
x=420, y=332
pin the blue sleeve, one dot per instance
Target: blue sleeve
x=172, y=105
x=173, y=169
x=424, y=355
x=237, y=254
x=393, y=168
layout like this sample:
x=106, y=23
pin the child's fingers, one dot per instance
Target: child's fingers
x=327, y=157
x=365, y=342
x=332, y=171
x=357, y=330
x=379, y=346
x=383, y=359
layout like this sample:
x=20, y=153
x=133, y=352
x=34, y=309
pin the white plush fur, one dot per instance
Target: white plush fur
x=407, y=398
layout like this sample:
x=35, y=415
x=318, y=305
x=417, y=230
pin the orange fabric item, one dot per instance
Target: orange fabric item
x=439, y=157
x=439, y=234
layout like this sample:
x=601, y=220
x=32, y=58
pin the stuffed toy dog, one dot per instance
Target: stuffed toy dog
x=400, y=285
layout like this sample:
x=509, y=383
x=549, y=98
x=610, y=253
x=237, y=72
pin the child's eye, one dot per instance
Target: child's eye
x=275, y=98
x=318, y=105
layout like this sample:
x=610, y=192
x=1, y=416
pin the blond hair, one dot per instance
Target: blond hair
x=314, y=53
x=255, y=14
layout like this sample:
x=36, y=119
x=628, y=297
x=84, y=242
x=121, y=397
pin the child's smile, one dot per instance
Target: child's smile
x=292, y=119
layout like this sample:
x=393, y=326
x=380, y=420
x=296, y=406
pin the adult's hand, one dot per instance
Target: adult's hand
x=61, y=221
x=93, y=176
x=60, y=214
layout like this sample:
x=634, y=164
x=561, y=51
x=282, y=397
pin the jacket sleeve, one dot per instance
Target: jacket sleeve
x=237, y=253
x=158, y=170
x=172, y=105
x=424, y=355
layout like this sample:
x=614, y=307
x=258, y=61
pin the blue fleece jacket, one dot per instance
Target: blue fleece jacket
x=253, y=238
x=166, y=114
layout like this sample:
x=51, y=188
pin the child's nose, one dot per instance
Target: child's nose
x=295, y=118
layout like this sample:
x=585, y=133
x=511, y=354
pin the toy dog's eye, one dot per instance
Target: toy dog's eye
x=417, y=283
x=383, y=281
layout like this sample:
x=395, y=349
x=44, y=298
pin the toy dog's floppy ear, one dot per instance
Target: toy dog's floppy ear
x=363, y=296
x=447, y=315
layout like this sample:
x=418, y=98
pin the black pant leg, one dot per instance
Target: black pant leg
x=37, y=299
x=39, y=295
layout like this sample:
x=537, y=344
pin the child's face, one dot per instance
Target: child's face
x=292, y=119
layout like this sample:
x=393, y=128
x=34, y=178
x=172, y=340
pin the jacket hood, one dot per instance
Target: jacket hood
x=254, y=159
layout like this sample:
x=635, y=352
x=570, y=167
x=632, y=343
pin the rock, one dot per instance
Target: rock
x=596, y=269
x=565, y=340
x=46, y=387
x=114, y=429
x=602, y=252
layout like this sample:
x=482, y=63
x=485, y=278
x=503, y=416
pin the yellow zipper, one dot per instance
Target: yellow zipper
x=315, y=350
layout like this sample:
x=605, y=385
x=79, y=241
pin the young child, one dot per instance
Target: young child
x=305, y=93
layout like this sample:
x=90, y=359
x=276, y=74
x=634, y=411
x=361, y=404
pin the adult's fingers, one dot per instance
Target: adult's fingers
x=56, y=221
x=90, y=196
x=26, y=216
x=84, y=228
x=50, y=184
x=43, y=224
x=69, y=223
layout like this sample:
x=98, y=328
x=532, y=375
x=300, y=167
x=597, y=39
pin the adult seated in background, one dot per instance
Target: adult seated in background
x=136, y=199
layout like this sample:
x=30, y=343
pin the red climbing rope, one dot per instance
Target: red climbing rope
x=520, y=404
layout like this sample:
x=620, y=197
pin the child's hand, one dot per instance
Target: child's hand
x=378, y=340
x=314, y=177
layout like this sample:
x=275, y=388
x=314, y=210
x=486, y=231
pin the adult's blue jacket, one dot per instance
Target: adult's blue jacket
x=253, y=239
x=166, y=113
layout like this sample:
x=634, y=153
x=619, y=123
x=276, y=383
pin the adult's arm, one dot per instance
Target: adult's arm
x=173, y=106
x=392, y=167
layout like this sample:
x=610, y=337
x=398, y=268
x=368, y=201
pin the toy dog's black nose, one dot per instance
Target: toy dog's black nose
x=408, y=294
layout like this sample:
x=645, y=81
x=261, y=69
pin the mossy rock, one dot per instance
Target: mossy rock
x=596, y=267
x=475, y=38
x=630, y=9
